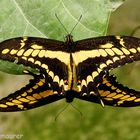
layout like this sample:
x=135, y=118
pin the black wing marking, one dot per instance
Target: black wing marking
x=37, y=93
x=112, y=93
x=96, y=55
x=40, y=53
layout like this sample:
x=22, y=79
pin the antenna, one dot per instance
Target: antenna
x=61, y=112
x=65, y=27
x=66, y=107
x=61, y=23
x=77, y=109
x=76, y=24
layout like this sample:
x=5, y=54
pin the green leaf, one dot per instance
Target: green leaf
x=37, y=17
x=13, y=68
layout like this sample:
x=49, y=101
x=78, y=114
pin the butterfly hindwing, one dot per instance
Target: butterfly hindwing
x=113, y=93
x=37, y=93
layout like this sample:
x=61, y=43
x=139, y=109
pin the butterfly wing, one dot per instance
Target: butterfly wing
x=38, y=53
x=113, y=93
x=93, y=57
x=49, y=57
x=46, y=55
x=37, y=93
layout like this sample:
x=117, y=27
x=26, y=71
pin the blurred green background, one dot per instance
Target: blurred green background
x=97, y=123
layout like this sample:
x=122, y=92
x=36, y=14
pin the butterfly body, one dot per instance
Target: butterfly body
x=71, y=69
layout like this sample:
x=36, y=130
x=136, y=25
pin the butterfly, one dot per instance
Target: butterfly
x=71, y=70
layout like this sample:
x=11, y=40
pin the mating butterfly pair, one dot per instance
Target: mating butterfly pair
x=71, y=70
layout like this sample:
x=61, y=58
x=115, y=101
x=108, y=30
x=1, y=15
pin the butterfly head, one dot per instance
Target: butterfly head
x=69, y=38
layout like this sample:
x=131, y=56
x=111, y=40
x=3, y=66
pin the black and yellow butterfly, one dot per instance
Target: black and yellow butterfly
x=71, y=70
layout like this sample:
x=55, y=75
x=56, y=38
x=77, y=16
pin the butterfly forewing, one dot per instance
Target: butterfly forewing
x=39, y=53
x=93, y=57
